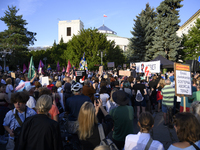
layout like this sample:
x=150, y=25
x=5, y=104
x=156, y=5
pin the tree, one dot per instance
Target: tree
x=165, y=40
x=92, y=43
x=192, y=42
x=16, y=38
x=143, y=32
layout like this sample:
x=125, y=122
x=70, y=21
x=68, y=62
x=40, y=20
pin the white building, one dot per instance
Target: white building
x=188, y=24
x=122, y=42
x=68, y=28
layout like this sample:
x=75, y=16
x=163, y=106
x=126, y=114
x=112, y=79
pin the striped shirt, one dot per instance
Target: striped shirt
x=168, y=93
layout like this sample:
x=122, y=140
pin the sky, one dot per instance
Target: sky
x=43, y=16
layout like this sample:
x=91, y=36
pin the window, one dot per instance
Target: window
x=68, y=31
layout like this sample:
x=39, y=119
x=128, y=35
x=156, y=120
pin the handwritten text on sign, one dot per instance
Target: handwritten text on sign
x=183, y=82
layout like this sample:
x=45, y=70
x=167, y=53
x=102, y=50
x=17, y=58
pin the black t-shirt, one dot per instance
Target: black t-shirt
x=153, y=84
x=139, y=86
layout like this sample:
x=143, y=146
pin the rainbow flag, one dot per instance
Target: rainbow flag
x=49, y=67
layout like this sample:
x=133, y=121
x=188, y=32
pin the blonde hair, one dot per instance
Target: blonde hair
x=113, y=91
x=86, y=120
x=58, y=84
x=162, y=82
x=44, y=104
x=102, y=147
x=8, y=81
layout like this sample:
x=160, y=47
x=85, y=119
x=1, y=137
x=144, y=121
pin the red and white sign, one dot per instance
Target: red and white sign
x=146, y=70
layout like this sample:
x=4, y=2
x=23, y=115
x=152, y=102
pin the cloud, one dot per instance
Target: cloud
x=29, y=7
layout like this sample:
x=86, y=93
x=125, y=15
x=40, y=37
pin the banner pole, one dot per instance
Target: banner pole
x=184, y=104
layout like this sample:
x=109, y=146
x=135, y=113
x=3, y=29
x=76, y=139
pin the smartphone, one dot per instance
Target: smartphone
x=96, y=97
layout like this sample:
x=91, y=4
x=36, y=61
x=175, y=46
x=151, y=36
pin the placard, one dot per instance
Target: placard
x=111, y=64
x=183, y=83
x=100, y=70
x=80, y=74
x=45, y=81
x=13, y=75
x=124, y=73
x=154, y=66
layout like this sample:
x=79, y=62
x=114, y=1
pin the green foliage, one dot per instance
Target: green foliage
x=92, y=43
x=165, y=40
x=143, y=32
x=191, y=42
x=16, y=38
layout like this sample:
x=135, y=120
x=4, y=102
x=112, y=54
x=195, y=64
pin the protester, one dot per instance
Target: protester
x=188, y=132
x=39, y=132
x=104, y=95
x=153, y=84
x=195, y=109
x=21, y=111
x=88, y=132
x=110, y=103
x=141, y=140
x=168, y=93
x=88, y=90
x=123, y=117
x=31, y=101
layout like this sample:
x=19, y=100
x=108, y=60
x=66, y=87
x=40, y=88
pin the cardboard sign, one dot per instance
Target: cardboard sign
x=111, y=64
x=45, y=81
x=124, y=73
x=183, y=83
x=100, y=70
x=13, y=75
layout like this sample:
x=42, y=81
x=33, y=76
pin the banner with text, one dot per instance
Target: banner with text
x=153, y=66
x=183, y=83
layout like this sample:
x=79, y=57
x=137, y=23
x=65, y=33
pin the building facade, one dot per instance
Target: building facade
x=188, y=24
x=68, y=28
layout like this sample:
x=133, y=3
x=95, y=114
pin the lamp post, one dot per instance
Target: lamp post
x=4, y=59
x=45, y=58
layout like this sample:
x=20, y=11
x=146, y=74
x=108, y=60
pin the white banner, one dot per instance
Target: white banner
x=153, y=66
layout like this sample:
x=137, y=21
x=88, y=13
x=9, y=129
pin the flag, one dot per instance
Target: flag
x=86, y=68
x=82, y=62
x=58, y=66
x=41, y=65
x=63, y=69
x=49, y=67
x=68, y=67
x=31, y=70
x=104, y=15
x=24, y=68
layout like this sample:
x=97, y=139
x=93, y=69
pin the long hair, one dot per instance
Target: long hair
x=187, y=127
x=86, y=120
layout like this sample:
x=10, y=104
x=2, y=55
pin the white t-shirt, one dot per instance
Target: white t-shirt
x=108, y=105
x=9, y=88
x=104, y=98
x=139, y=141
x=31, y=102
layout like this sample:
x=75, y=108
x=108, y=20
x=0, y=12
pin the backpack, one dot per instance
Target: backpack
x=139, y=96
x=106, y=141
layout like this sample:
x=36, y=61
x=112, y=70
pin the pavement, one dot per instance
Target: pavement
x=159, y=132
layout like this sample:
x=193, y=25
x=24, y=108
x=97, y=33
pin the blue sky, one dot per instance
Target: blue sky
x=42, y=16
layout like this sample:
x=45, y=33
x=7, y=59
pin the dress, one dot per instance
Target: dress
x=94, y=140
x=39, y=132
x=139, y=142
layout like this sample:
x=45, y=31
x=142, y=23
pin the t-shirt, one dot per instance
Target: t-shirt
x=31, y=102
x=196, y=96
x=104, y=98
x=172, y=147
x=139, y=86
x=53, y=111
x=9, y=88
x=153, y=84
x=123, y=122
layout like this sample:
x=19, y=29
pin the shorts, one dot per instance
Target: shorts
x=165, y=109
x=187, y=109
x=142, y=103
x=159, y=101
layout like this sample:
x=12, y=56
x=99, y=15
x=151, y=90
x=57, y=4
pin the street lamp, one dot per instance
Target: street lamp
x=101, y=56
x=45, y=58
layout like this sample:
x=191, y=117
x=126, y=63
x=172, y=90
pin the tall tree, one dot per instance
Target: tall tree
x=92, y=43
x=143, y=32
x=192, y=42
x=165, y=40
x=16, y=38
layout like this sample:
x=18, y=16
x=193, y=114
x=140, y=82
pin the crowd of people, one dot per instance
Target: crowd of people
x=30, y=112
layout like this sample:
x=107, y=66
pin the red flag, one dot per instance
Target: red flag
x=24, y=68
x=104, y=15
x=68, y=67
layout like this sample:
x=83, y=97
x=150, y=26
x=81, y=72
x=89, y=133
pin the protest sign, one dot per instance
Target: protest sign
x=111, y=64
x=13, y=75
x=183, y=83
x=45, y=81
x=124, y=73
x=80, y=74
x=154, y=66
x=100, y=70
